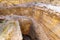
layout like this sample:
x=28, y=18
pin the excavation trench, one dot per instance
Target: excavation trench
x=30, y=29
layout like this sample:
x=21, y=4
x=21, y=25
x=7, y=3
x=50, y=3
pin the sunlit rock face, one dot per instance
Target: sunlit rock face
x=46, y=21
x=10, y=30
x=51, y=26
